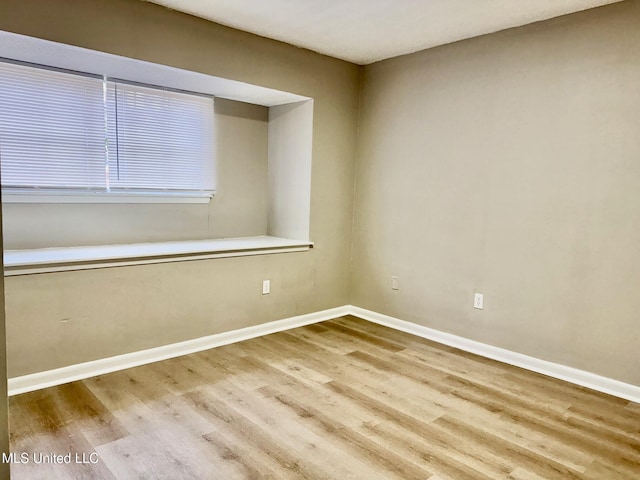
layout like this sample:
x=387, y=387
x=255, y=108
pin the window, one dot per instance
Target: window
x=67, y=132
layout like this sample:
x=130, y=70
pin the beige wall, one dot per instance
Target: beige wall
x=238, y=209
x=509, y=165
x=4, y=404
x=290, y=170
x=64, y=318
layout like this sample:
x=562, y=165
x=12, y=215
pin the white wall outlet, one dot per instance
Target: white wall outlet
x=395, y=285
x=266, y=287
x=478, y=301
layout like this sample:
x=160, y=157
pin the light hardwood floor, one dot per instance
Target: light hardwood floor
x=344, y=399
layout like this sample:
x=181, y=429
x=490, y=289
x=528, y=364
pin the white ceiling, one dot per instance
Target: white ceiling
x=365, y=31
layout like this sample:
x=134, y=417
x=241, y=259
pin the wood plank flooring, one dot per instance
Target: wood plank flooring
x=344, y=399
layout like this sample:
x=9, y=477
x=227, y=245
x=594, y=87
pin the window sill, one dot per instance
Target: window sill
x=103, y=197
x=47, y=260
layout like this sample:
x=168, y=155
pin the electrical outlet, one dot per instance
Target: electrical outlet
x=394, y=283
x=266, y=287
x=478, y=301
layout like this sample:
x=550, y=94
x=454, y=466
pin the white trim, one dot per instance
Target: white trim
x=36, y=381
x=555, y=370
x=58, y=376
x=82, y=197
x=48, y=260
x=150, y=261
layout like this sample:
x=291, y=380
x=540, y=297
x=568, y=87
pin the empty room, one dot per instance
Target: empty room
x=320, y=240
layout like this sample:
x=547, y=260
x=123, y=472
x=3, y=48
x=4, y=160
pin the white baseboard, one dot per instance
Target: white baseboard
x=58, y=376
x=555, y=370
x=81, y=371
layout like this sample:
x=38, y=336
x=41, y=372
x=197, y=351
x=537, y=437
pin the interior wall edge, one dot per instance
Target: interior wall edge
x=356, y=156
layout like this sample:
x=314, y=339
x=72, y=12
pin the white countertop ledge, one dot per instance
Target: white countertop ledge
x=59, y=259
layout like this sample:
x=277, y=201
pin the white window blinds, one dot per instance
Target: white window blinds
x=51, y=129
x=163, y=139
x=65, y=131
